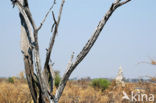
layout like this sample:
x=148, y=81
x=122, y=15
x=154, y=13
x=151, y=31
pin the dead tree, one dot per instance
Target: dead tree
x=41, y=82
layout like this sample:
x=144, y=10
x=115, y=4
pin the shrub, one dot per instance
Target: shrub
x=10, y=80
x=100, y=83
x=57, y=78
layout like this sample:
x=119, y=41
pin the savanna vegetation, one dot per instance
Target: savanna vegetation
x=15, y=90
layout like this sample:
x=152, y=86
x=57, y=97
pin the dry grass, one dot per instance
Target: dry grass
x=75, y=92
x=14, y=93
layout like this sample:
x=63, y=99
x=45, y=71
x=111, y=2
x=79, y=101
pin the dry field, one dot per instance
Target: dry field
x=76, y=92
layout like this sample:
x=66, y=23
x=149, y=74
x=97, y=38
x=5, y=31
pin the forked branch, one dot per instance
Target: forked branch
x=52, y=41
x=55, y=25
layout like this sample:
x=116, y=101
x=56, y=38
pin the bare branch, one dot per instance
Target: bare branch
x=49, y=77
x=54, y=35
x=50, y=48
x=55, y=22
x=27, y=10
x=27, y=21
x=60, y=12
x=71, y=61
x=117, y=1
x=25, y=6
x=85, y=50
x=52, y=77
x=46, y=15
x=64, y=79
x=123, y=2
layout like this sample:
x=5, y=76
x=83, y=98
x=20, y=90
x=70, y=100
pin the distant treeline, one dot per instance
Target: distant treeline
x=133, y=80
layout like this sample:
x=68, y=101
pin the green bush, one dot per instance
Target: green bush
x=100, y=83
x=57, y=78
x=10, y=80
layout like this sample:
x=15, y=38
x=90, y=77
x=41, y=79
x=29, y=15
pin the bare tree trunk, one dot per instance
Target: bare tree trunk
x=28, y=61
x=41, y=84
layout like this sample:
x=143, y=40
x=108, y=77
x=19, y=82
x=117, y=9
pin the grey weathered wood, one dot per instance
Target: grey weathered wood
x=52, y=74
x=26, y=48
x=47, y=70
x=52, y=41
x=28, y=61
x=33, y=41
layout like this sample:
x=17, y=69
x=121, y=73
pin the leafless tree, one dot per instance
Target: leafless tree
x=40, y=80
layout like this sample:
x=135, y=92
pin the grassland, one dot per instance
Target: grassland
x=78, y=91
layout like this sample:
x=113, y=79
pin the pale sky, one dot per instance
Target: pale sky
x=128, y=37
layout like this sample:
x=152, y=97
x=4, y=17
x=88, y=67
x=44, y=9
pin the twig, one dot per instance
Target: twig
x=55, y=22
x=46, y=15
x=123, y=2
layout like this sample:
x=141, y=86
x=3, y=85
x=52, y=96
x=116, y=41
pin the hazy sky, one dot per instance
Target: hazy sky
x=128, y=37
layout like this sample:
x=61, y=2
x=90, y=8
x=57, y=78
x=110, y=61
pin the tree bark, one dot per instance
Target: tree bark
x=28, y=61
